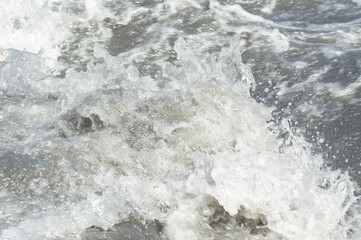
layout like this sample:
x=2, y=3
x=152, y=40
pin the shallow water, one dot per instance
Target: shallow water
x=180, y=119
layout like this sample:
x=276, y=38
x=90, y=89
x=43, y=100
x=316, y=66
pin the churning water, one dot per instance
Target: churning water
x=180, y=119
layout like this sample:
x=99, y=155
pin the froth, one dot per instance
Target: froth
x=189, y=148
x=48, y=26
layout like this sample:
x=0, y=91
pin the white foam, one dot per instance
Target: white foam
x=30, y=25
x=269, y=6
x=166, y=150
x=40, y=26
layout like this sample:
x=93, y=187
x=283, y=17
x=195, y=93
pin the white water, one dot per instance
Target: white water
x=187, y=146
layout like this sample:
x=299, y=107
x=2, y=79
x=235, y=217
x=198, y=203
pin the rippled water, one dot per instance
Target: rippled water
x=183, y=119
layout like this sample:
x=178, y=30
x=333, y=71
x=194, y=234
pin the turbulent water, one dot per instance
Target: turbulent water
x=180, y=119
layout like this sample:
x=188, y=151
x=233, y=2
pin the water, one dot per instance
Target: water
x=181, y=119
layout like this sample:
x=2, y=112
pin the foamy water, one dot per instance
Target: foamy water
x=179, y=120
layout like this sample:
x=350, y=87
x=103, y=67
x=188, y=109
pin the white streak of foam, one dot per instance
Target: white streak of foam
x=30, y=25
x=269, y=6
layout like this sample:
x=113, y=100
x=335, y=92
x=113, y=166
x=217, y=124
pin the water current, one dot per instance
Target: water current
x=180, y=119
